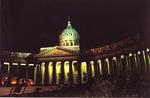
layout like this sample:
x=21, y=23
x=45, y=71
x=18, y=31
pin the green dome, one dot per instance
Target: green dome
x=69, y=36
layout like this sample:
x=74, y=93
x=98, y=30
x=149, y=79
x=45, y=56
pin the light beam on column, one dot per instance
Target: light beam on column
x=84, y=71
x=58, y=72
x=50, y=71
x=43, y=72
x=100, y=66
x=74, y=71
x=108, y=66
x=66, y=71
x=35, y=73
x=144, y=61
x=92, y=67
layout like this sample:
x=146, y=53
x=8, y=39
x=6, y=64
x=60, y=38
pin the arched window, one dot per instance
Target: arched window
x=63, y=44
x=67, y=44
x=71, y=44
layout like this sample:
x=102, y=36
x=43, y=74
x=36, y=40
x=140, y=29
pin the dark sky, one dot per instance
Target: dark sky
x=31, y=24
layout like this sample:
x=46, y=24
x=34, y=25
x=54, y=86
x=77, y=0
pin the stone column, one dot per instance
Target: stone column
x=58, y=72
x=103, y=67
x=92, y=68
x=136, y=63
x=71, y=72
x=46, y=79
x=43, y=72
x=27, y=65
x=118, y=66
x=66, y=72
x=50, y=72
x=9, y=72
x=142, y=63
x=133, y=63
x=79, y=71
x=62, y=73
x=145, y=63
x=39, y=74
x=100, y=67
x=114, y=64
x=89, y=72
x=123, y=67
x=107, y=66
x=96, y=68
x=84, y=72
x=127, y=64
x=105, y=71
x=147, y=57
x=74, y=72
x=54, y=73
x=110, y=67
x=18, y=75
x=35, y=74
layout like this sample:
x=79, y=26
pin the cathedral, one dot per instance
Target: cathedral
x=66, y=64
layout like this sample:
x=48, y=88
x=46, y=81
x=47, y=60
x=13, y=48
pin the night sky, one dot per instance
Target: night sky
x=31, y=24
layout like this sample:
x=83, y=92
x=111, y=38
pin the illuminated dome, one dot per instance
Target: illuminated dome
x=69, y=36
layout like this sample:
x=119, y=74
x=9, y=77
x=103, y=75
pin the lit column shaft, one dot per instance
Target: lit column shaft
x=105, y=71
x=35, y=73
x=147, y=56
x=50, y=71
x=58, y=72
x=92, y=68
x=118, y=66
x=114, y=66
x=39, y=74
x=43, y=72
x=145, y=64
x=27, y=71
x=136, y=63
x=84, y=72
x=100, y=67
x=54, y=73
x=123, y=61
x=79, y=71
x=46, y=79
x=66, y=71
x=142, y=63
x=74, y=71
x=71, y=72
x=96, y=68
x=9, y=72
x=127, y=64
x=62, y=72
x=108, y=66
x=89, y=72
x=133, y=64
x=18, y=75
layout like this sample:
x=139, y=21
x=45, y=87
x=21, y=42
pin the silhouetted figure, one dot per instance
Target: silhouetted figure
x=5, y=80
x=19, y=87
x=28, y=83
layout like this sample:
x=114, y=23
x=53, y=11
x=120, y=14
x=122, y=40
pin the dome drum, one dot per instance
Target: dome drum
x=69, y=36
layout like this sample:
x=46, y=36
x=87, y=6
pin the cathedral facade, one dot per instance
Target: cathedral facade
x=66, y=64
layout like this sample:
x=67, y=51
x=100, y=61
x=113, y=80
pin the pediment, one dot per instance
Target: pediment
x=57, y=51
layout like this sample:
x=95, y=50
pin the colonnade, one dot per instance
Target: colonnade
x=74, y=72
